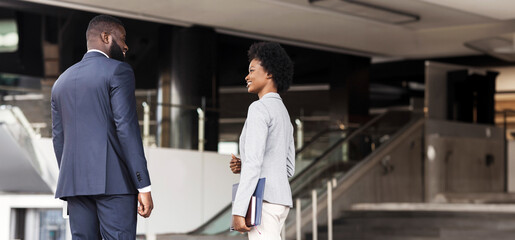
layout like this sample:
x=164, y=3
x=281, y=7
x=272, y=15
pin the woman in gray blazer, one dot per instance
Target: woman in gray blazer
x=266, y=143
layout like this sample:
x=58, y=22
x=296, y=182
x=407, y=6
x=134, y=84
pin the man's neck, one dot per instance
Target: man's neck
x=96, y=50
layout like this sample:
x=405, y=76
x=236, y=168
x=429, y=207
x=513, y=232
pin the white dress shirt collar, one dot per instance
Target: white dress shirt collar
x=271, y=95
x=96, y=50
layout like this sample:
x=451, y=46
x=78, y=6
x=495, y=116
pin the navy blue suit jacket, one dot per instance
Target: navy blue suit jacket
x=95, y=129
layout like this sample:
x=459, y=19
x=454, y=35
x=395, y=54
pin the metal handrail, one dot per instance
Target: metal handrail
x=506, y=111
x=314, y=162
x=313, y=140
x=317, y=136
x=348, y=175
x=35, y=157
x=336, y=145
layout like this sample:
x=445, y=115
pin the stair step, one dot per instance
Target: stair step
x=423, y=225
x=441, y=234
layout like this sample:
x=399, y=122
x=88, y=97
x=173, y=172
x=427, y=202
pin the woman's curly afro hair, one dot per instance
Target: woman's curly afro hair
x=275, y=61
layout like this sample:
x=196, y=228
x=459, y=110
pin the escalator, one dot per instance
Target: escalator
x=22, y=155
x=328, y=156
x=311, y=152
x=361, y=153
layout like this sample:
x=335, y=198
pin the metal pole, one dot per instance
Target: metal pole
x=314, y=214
x=329, y=210
x=298, y=217
x=146, y=124
x=201, y=120
x=300, y=133
x=506, y=172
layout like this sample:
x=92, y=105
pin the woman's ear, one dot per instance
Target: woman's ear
x=268, y=76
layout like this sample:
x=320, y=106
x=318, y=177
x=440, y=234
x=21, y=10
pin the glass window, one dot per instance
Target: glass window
x=52, y=225
x=8, y=36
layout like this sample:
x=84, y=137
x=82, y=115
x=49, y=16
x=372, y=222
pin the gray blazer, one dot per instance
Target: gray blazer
x=267, y=150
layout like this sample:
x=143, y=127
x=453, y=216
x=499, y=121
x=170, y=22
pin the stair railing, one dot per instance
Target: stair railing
x=332, y=182
x=330, y=185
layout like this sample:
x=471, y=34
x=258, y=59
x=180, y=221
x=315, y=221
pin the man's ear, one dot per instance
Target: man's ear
x=104, y=36
x=268, y=76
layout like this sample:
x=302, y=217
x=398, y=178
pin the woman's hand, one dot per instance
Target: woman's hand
x=238, y=223
x=235, y=164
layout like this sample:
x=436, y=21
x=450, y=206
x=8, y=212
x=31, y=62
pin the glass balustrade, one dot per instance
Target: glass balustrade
x=328, y=155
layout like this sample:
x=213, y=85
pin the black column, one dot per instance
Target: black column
x=164, y=87
x=193, y=78
x=349, y=89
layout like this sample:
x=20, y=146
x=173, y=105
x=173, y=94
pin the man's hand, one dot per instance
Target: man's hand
x=235, y=164
x=145, y=204
x=238, y=223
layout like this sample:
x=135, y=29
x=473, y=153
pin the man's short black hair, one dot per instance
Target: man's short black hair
x=103, y=23
x=275, y=61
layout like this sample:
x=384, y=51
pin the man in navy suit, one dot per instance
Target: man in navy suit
x=102, y=167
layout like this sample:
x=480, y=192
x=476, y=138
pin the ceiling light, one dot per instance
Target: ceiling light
x=366, y=10
x=502, y=47
x=507, y=49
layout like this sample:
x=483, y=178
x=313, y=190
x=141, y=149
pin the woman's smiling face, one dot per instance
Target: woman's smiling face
x=257, y=78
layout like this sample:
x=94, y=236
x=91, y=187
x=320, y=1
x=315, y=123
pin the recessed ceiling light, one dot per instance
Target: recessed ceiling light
x=502, y=47
x=366, y=10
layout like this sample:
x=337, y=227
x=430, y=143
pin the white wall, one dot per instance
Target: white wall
x=505, y=80
x=8, y=202
x=188, y=188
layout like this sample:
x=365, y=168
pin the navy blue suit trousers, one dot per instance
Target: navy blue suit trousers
x=109, y=217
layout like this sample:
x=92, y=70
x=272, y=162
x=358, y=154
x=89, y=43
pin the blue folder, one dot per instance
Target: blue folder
x=260, y=191
x=258, y=194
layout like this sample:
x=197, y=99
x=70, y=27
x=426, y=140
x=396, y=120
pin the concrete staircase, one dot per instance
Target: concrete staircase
x=424, y=222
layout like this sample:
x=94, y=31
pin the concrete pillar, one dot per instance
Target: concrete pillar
x=164, y=87
x=188, y=81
